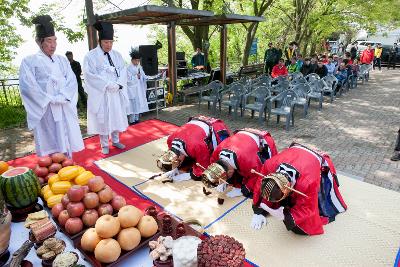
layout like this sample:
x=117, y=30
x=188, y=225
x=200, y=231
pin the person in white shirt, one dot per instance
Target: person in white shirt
x=137, y=87
x=105, y=76
x=49, y=93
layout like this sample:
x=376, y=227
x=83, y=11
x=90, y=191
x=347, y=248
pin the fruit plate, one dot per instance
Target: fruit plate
x=89, y=256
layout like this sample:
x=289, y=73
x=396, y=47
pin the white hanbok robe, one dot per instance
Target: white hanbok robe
x=137, y=90
x=55, y=126
x=106, y=111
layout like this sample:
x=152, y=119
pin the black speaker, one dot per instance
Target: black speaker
x=180, y=55
x=149, y=59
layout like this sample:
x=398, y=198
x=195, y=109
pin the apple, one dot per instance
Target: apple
x=91, y=200
x=65, y=201
x=41, y=171
x=105, y=195
x=96, y=184
x=44, y=161
x=73, y=226
x=105, y=209
x=76, y=193
x=58, y=157
x=63, y=217
x=85, y=189
x=118, y=202
x=90, y=217
x=55, y=167
x=67, y=162
x=75, y=209
x=57, y=209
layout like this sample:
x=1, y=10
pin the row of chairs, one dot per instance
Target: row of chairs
x=269, y=96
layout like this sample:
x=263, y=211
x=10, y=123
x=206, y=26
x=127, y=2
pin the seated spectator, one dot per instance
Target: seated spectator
x=307, y=68
x=293, y=67
x=355, y=68
x=279, y=69
x=347, y=56
x=331, y=67
x=321, y=69
x=324, y=59
x=396, y=154
x=314, y=63
x=300, y=61
x=341, y=75
x=336, y=60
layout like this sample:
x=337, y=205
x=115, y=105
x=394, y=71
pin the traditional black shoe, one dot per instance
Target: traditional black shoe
x=396, y=157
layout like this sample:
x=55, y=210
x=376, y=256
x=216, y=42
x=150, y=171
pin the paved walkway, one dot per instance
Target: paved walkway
x=358, y=130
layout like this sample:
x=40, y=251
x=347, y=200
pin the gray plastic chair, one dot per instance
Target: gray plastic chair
x=312, y=76
x=331, y=84
x=234, y=98
x=279, y=84
x=298, y=80
x=261, y=96
x=215, y=87
x=285, y=108
x=316, y=88
x=302, y=90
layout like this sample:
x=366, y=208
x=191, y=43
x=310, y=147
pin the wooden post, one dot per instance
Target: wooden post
x=223, y=52
x=172, y=74
x=91, y=31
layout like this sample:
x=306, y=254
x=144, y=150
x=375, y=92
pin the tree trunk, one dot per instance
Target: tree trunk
x=251, y=32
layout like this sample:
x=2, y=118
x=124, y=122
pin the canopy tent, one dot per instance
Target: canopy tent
x=171, y=16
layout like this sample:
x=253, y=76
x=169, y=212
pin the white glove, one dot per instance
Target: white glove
x=171, y=173
x=181, y=177
x=58, y=99
x=258, y=221
x=221, y=188
x=235, y=192
x=278, y=213
x=112, y=87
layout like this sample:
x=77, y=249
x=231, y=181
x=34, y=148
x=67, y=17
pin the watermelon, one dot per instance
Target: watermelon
x=20, y=187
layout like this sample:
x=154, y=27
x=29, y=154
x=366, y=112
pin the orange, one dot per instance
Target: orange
x=3, y=166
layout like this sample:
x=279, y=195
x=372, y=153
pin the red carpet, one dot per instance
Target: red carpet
x=136, y=135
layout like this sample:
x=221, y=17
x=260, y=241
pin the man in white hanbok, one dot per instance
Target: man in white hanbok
x=105, y=83
x=137, y=87
x=49, y=93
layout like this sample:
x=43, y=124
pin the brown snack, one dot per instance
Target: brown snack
x=205, y=192
x=166, y=225
x=220, y=250
x=50, y=249
x=43, y=229
x=221, y=201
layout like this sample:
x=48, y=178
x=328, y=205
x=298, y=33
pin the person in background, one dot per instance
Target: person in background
x=367, y=56
x=307, y=68
x=341, y=75
x=271, y=57
x=324, y=59
x=314, y=63
x=336, y=60
x=355, y=69
x=393, y=51
x=293, y=67
x=105, y=76
x=321, y=69
x=378, y=56
x=49, y=92
x=341, y=49
x=137, y=87
x=347, y=56
x=76, y=68
x=198, y=60
x=279, y=69
x=331, y=67
x=396, y=154
x=299, y=61
x=353, y=51
x=290, y=52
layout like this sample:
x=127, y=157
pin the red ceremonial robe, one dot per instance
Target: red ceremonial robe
x=197, y=139
x=302, y=214
x=244, y=150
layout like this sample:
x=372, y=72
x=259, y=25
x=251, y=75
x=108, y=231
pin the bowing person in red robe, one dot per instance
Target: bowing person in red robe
x=192, y=143
x=299, y=187
x=235, y=157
